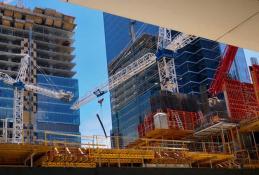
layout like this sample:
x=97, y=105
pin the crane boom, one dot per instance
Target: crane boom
x=116, y=79
x=131, y=70
x=166, y=41
x=224, y=67
x=180, y=41
x=6, y=78
x=166, y=68
x=89, y=96
x=50, y=93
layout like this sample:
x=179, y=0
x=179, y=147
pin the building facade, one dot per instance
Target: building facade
x=47, y=36
x=119, y=33
x=196, y=65
x=130, y=101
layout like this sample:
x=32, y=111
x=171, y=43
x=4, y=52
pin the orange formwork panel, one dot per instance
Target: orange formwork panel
x=240, y=99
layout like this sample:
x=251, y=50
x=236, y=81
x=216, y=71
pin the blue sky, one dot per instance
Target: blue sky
x=90, y=60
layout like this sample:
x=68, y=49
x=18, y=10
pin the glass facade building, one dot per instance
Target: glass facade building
x=196, y=65
x=118, y=33
x=51, y=66
x=130, y=101
x=53, y=114
x=6, y=101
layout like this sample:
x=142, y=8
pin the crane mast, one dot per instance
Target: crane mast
x=18, y=101
x=166, y=67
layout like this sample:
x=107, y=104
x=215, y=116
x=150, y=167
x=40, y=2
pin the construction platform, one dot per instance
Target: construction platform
x=249, y=125
x=19, y=154
x=208, y=159
x=214, y=128
x=172, y=133
x=61, y=156
x=96, y=152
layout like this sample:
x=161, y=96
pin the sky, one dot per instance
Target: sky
x=90, y=60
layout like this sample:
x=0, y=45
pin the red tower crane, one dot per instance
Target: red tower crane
x=223, y=68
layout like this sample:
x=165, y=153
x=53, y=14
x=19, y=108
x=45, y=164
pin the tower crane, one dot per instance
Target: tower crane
x=166, y=67
x=19, y=86
x=223, y=69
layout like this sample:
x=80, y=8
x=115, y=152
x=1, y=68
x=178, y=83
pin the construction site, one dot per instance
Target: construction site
x=160, y=123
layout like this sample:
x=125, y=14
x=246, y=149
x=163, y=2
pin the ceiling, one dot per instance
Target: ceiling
x=234, y=22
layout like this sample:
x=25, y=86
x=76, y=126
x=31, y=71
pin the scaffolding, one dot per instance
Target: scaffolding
x=96, y=151
x=241, y=100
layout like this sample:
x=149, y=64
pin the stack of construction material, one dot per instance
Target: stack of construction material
x=23, y=18
x=241, y=100
x=68, y=23
x=172, y=119
x=7, y=17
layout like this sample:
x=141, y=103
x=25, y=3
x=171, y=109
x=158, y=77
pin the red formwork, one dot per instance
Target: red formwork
x=188, y=121
x=149, y=123
x=141, y=130
x=254, y=69
x=240, y=99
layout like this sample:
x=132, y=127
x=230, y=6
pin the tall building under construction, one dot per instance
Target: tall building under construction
x=141, y=95
x=47, y=36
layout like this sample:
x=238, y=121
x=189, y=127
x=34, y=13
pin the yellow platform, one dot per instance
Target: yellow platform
x=17, y=154
x=249, y=125
x=203, y=158
x=252, y=164
x=168, y=133
x=160, y=134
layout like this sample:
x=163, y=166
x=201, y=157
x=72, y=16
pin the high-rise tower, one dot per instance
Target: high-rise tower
x=50, y=37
